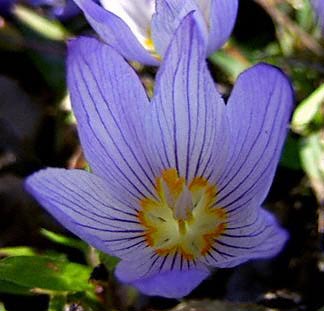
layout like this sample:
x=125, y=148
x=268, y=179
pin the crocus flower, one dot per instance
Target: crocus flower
x=57, y=8
x=62, y=9
x=141, y=29
x=318, y=6
x=176, y=183
x=5, y=6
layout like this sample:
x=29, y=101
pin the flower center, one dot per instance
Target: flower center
x=183, y=218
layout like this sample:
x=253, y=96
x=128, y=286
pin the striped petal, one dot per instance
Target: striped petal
x=151, y=264
x=109, y=105
x=215, y=18
x=81, y=202
x=256, y=235
x=115, y=32
x=258, y=110
x=168, y=16
x=187, y=122
x=137, y=14
x=170, y=284
x=221, y=21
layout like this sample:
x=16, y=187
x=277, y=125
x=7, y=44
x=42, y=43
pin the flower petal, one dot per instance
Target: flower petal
x=81, y=202
x=252, y=237
x=61, y=9
x=137, y=14
x=318, y=6
x=175, y=284
x=109, y=103
x=187, y=117
x=115, y=32
x=170, y=284
x=258, y=110
x=168, y=16
x=5, y=6
x=221, y=22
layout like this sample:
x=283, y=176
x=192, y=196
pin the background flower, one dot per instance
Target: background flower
x=319, y=10
x=133, y=29
x=5, y=6
x=62, y=9
x=185, y=167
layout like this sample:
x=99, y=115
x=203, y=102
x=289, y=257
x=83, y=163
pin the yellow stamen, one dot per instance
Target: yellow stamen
x=183, y=218
x=149, y=44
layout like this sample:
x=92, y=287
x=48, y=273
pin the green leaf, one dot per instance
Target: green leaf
x=312, y=154
x=230, y=65
x=2, y=307
x=50, y=29
x=307, y=110
x=290, y=156
x=57, y=303
x=44, y=274
x=55, y=255
x=305, y=15
x=12, y=288
x=17, y=251
x=63, y=240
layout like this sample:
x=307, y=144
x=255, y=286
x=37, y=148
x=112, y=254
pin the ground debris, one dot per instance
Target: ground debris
x=216, y=305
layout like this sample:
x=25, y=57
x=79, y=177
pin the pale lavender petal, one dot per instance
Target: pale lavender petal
x=318, y=6
x=221, y=22
x=115, y=32
x=151, y=264
x=258, y=110
x=168, y=16
x=109, y=103
x=137, y=14
x=253, y=237
x=81, y=202
x=171, y=283
x=174, y=284
x=187, y=123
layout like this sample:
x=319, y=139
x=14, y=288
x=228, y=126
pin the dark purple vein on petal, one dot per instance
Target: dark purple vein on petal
x=103, y=147
x=121, y=132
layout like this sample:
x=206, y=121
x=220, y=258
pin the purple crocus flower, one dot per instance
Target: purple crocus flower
x=176, y=183
x=141, y=29
x=5, y=6
x=318, y=6
x=63, y=9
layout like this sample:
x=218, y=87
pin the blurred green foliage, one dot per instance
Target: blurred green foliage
x=39, y=274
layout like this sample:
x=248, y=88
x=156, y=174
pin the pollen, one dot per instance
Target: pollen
x=182, y=218
x=148, y=44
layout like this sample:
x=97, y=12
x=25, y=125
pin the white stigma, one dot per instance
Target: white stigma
x=184, y=205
